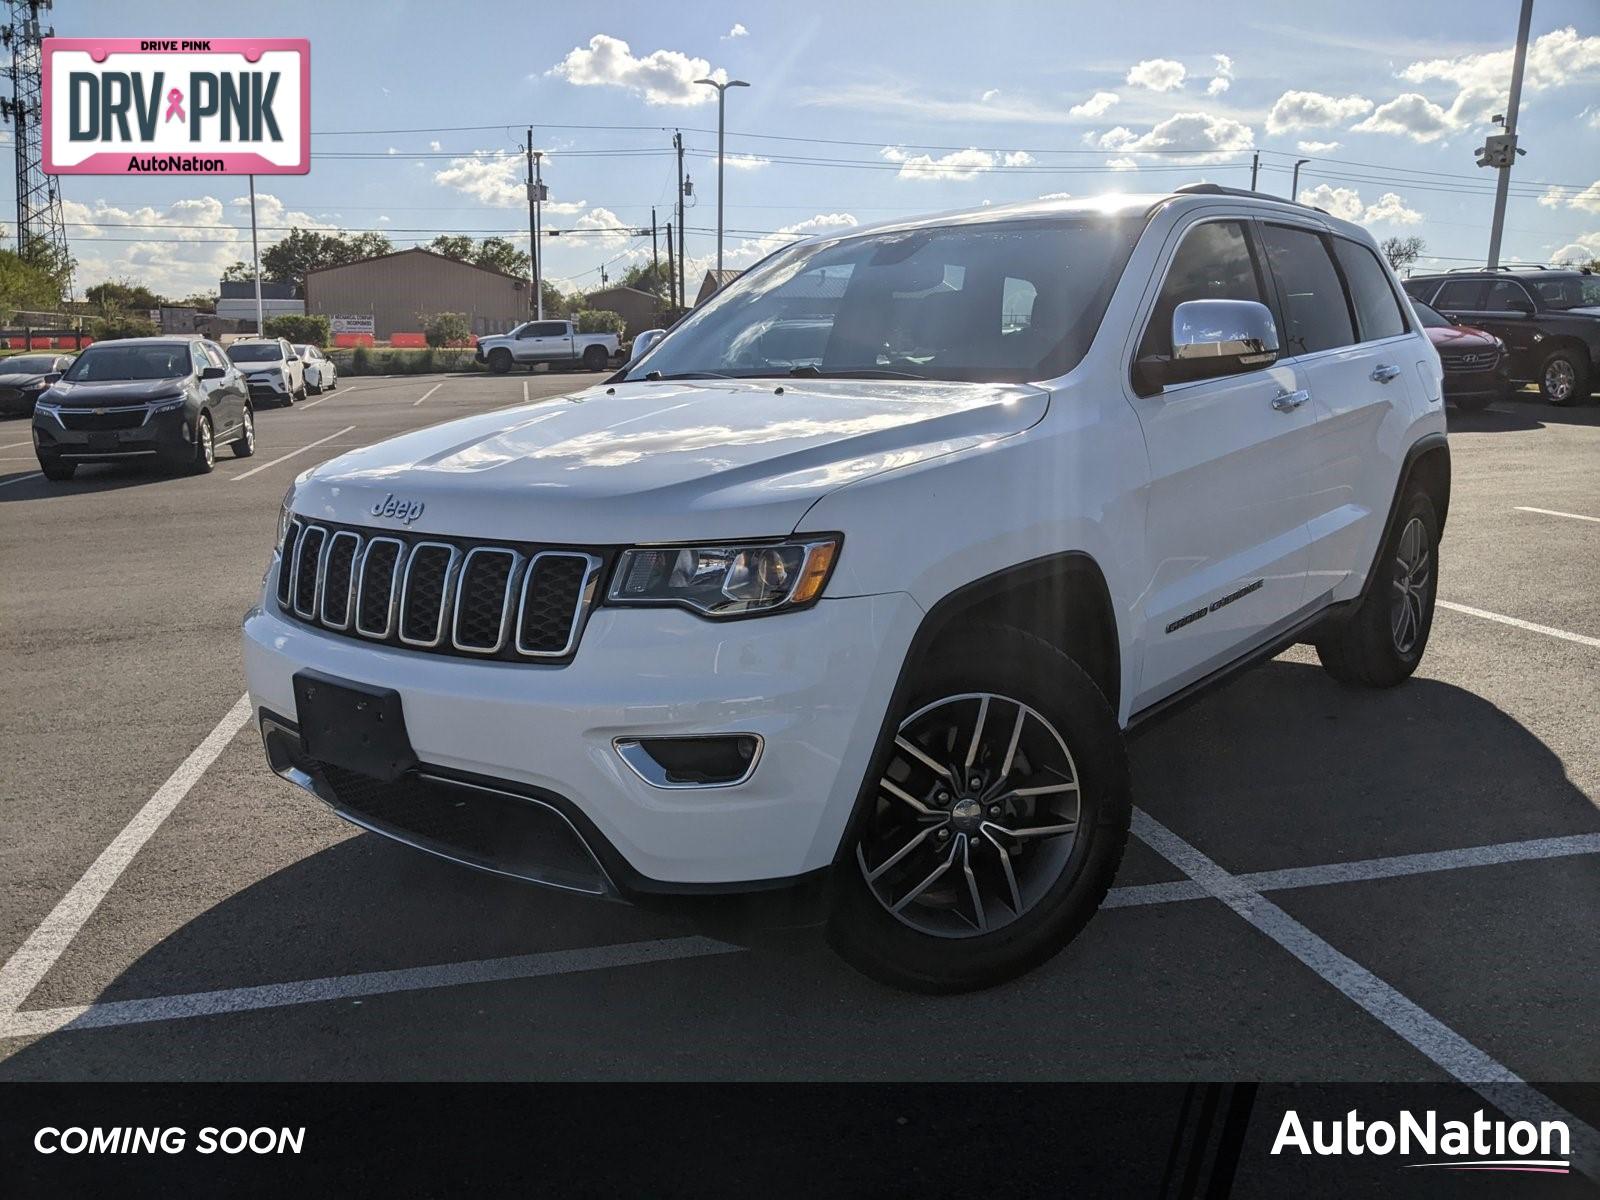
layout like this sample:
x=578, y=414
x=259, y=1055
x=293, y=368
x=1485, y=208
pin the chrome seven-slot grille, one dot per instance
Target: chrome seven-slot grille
x=511, y=602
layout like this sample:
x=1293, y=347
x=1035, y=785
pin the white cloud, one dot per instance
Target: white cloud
x=747, y=162
x=1313, y=110
x=661, y=77
x=1095, y=106
x=1157, y=74
x=748, y=250
x=615, y=232
x=1345, y=203
x=738, y=31
x=1585, y=249
x=1410, y=114
x=1316, y=147
x=1555, y=59
x=958, y=165
x=495, y=177
x=393, y=150
x=989, y=95
x=1590, y=115
x=1588, y=199
x=435, y=147
x=1205, y=138
x=1222, y=80
x=1122, y=163
x=1552, y=198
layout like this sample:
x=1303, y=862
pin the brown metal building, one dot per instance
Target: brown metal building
x=637, y=308
x=398, y=290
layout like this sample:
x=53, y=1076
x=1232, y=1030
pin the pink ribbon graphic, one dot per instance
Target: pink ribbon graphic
x=175, y=105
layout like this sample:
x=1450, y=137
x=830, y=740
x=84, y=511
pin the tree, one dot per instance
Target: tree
x=1402, y=251
x=121, y=325
x=306, y=250
x=446, y=329
x=601, y=320
x=26, y=286
x=301, y=330
x=123, y=295
x=203, y=301
x=496, y=254
x=646, y=277
x=239, y=272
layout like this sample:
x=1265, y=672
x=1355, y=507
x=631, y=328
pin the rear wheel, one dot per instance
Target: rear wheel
x=595, y=358
x=1383, y=640
x=245, y=444
x=1564, y=377
x=996, y=823
x=499, y=360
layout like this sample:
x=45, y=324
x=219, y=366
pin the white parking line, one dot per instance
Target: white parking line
x=349, y=987
x=524, y=396
x=291, y=454
x=22, y=479
x=428, y=393
x=1443, y=1046
x=1548, y=512
x=1582, y=639
x=1365, y=869
x=18, y=445
x=34, y=958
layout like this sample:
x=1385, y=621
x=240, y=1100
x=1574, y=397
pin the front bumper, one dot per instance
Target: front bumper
x=1495, y=381
x=161, y=435
x=813, y=685
x=267, y=387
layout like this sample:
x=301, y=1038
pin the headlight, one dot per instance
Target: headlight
x=283, y=518
x=727, y=581
x=163, y=404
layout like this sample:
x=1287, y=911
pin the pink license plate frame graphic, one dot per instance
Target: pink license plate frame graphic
x=233, y=162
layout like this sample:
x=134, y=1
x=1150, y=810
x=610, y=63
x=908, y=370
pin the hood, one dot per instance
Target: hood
x=112, y=391
x=1460, y=337
x=20, y=378
x=664, y=461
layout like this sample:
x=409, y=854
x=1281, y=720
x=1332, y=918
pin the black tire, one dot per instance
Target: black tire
x=57, y=471
x=245, y=444
x=1368, y=647
x=595, y=358
x=315, y=391
x=1564, y=376
x=302, y=393
x=288, y=399
x=1473, y=403
x=205, y=447
x=1009, y=663
x=500, y=360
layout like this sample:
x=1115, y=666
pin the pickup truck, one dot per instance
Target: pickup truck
x=555, y=342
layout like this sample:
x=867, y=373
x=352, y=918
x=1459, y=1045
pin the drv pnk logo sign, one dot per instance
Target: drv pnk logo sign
x=197, y=106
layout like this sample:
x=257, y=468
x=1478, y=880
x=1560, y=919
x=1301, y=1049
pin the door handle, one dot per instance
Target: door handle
x=1289, y=401
x=1385, y=373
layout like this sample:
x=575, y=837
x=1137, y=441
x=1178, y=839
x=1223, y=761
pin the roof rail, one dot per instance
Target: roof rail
x=1216, y=189
x=1508, y=267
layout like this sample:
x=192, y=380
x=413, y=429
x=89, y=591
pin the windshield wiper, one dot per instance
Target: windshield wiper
x=809, y=372
x=657, y=376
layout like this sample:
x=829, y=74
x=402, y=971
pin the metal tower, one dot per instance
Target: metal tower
x=41, y=234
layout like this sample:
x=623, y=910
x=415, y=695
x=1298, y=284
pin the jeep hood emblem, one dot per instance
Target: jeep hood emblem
x=405, y=511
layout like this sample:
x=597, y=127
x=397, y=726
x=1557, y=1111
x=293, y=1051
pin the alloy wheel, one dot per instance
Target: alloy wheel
x=249, y=431
x=1412, y=573
x=1560, y=380
x=975, y=819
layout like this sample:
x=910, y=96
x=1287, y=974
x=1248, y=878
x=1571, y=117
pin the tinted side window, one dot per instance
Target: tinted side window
x=1420, y=288
x=1503, y=294
x=1377, y=308
x=1461, y=293
x=550, y=329
x=197, y=354
x=1213, y=262
x=1316, y=315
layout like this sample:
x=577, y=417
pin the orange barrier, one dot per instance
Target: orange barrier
x=352, y=339
x=410, y=340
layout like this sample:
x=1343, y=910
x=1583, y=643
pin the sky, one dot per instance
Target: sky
x=859, y=113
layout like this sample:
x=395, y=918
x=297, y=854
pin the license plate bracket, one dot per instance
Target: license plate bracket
x=357, y=726
x=102, y=441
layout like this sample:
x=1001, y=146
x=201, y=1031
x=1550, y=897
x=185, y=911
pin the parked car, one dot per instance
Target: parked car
x=1477, y=369
x=271, y=367
x=557, y=343
x=875, y=620
x=24, y=377
x=1549, y=320
x=167, y=400
x=321, y=374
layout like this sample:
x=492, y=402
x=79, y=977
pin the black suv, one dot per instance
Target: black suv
x=1549, y=319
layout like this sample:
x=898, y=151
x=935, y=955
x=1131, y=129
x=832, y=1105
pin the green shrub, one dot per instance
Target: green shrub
x=601, y=320
x=446, y=328
x=122, y=325
x=364, y=361
x=301, y=330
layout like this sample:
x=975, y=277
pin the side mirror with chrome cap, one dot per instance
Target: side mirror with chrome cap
x=644, y=342
x=1211, y=338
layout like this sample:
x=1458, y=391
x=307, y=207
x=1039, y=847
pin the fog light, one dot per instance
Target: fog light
x=717, y=760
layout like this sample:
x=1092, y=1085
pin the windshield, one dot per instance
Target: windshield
x=1429, y=316
x=1577, y=291
x=158, y=361
x=37, y=364
x=255, y=352
x=998, y=301
x=306, y=351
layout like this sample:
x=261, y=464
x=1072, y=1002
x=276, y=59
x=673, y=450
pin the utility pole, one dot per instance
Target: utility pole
x=1501, y=150
x=255, y=256
x=1255, y=168
x=655, y=255
x=683, y=190
x=722, y=96
x=536, y=197
x=1294, y=186
x=672, y=270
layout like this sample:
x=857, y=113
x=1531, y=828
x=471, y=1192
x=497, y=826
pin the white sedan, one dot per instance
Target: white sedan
x=321, y=374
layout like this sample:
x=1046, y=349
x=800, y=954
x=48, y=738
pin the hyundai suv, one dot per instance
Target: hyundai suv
x=1548, y=319
x=861, y=573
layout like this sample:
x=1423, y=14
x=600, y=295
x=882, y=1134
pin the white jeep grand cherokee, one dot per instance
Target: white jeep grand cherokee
x=860, y=574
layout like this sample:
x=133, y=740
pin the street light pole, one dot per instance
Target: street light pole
x=255, y=257
x=1503, y=184
x=1294, y=185
x=722, y=95
x=535, y=206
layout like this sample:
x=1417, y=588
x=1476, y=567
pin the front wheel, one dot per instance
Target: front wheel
x=205, y=447
x=56, y=471
x=499, y=360
x=994, y=824
x=1564, y=377
x=245, y=444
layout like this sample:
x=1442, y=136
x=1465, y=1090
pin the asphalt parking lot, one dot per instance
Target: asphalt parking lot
x=1329, y=884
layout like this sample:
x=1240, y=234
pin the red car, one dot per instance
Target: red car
x=1477, y=369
